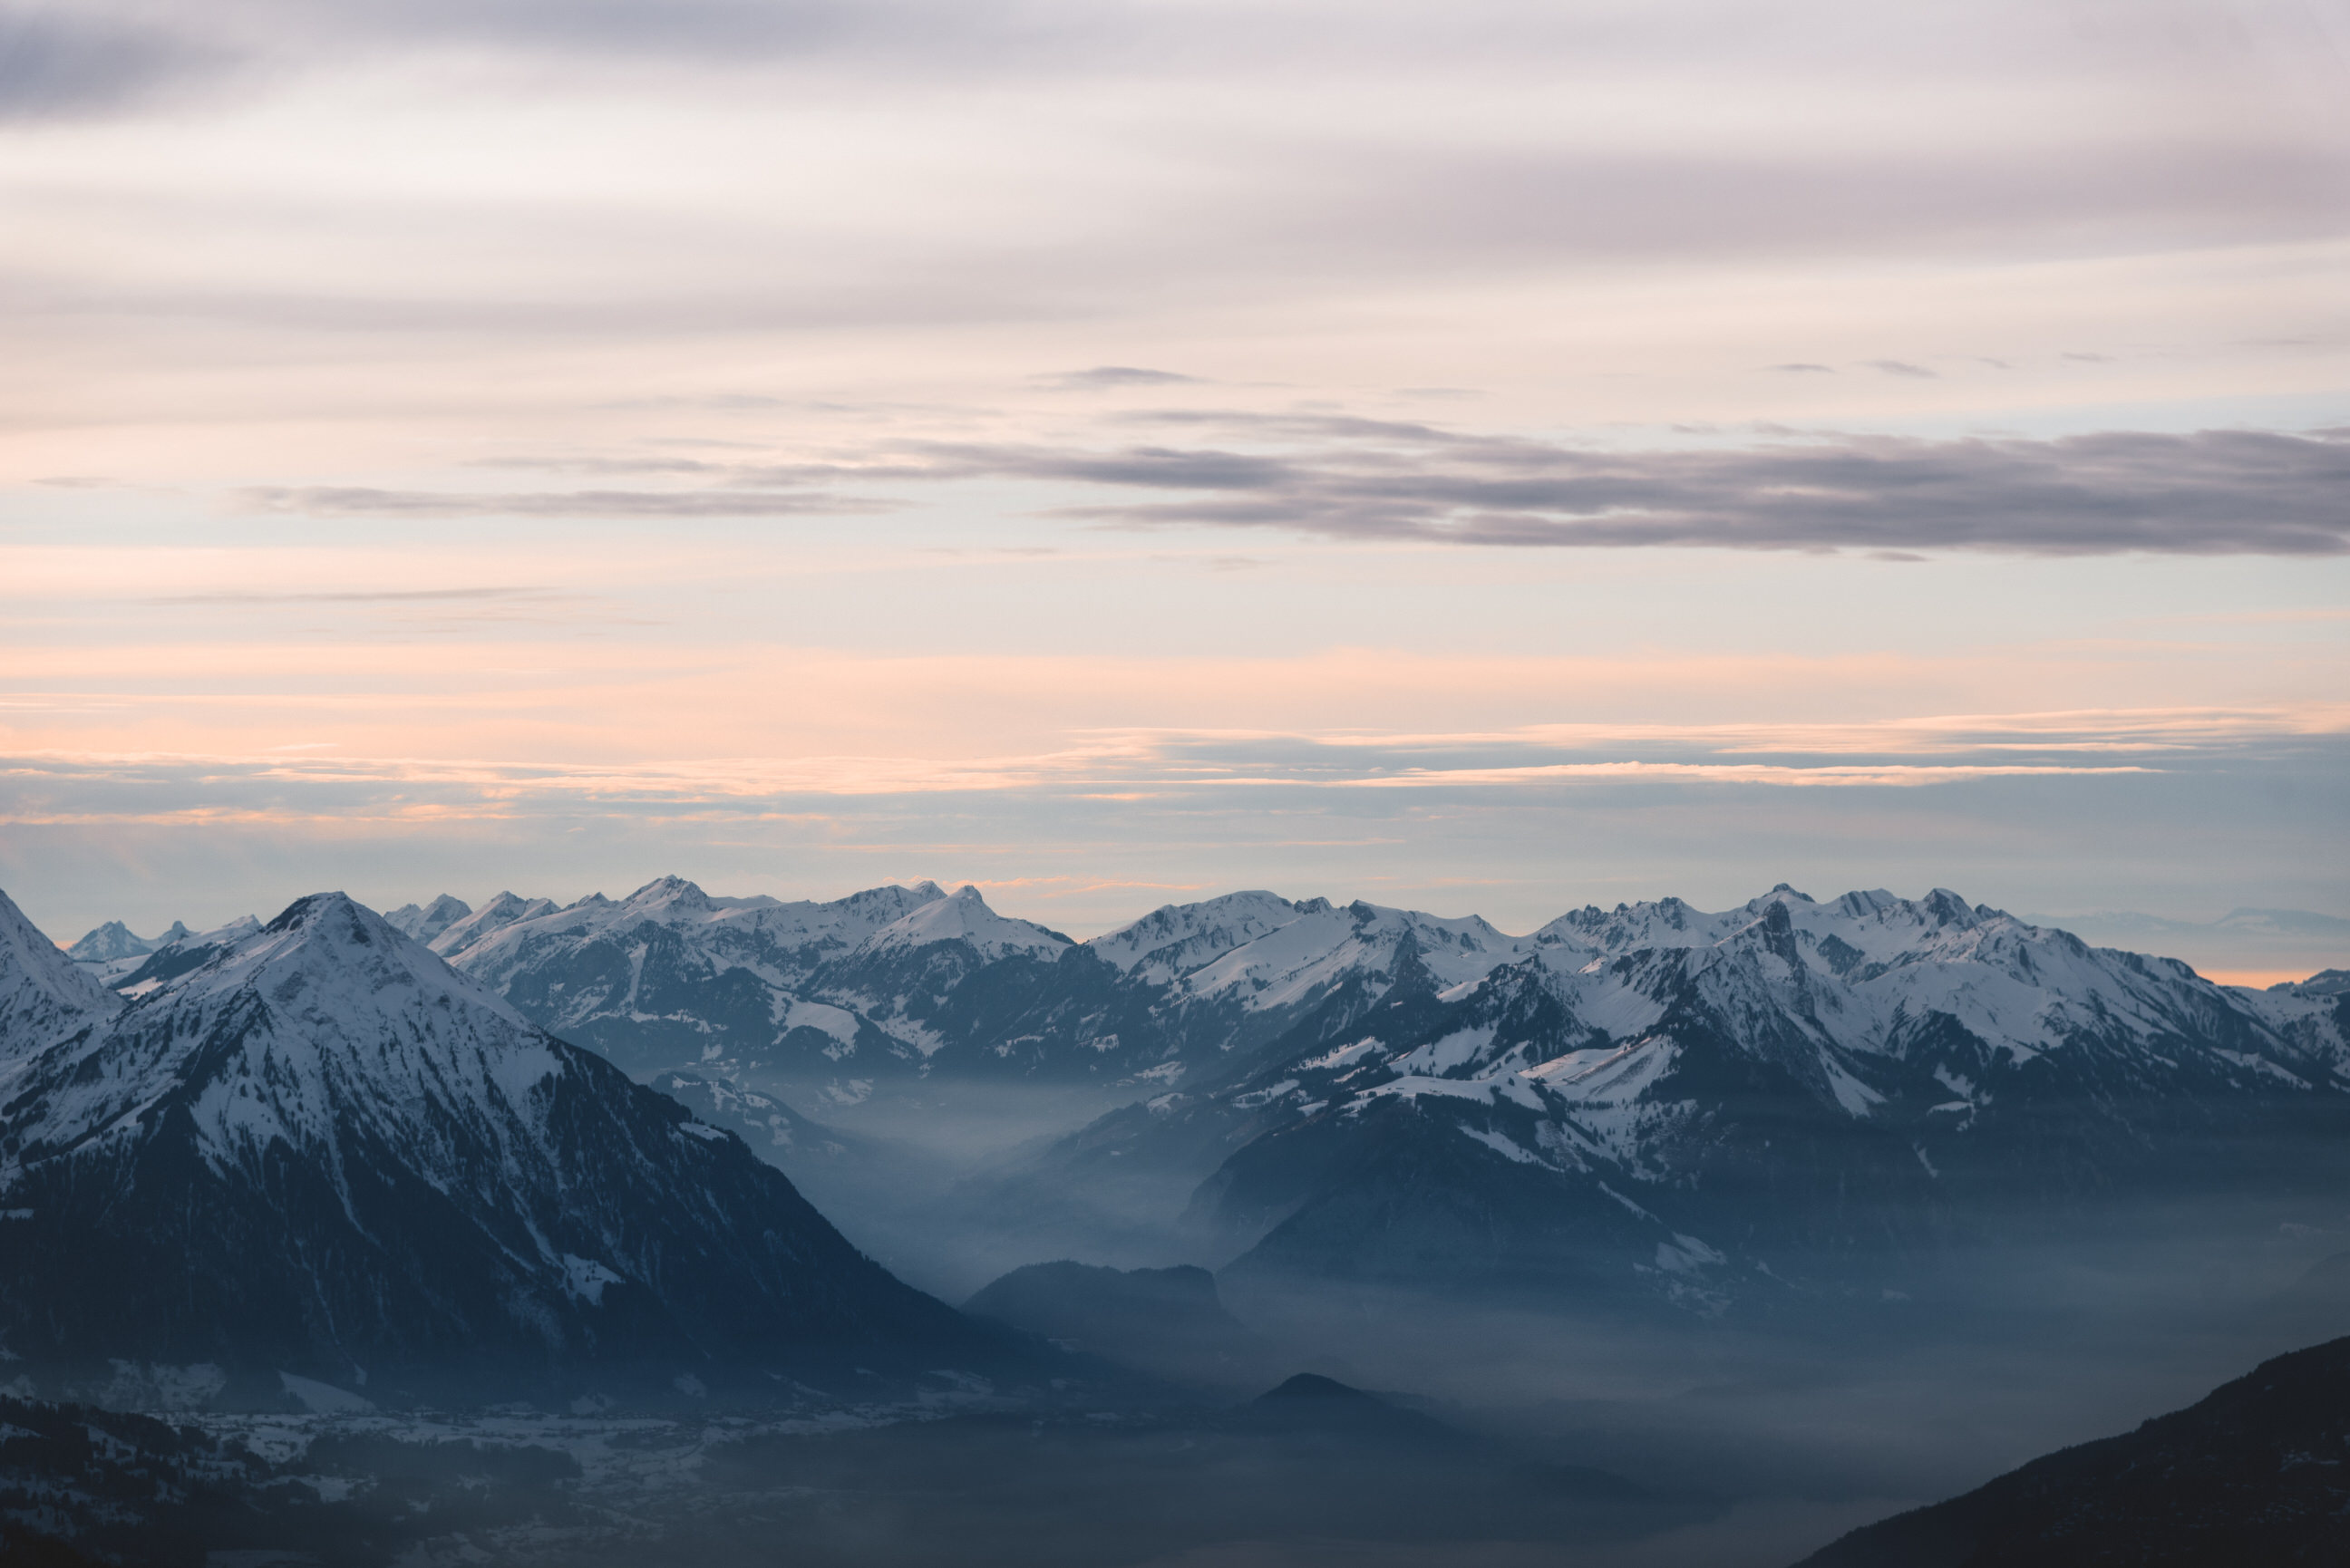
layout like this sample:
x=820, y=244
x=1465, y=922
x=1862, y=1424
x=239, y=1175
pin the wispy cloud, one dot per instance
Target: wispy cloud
x=2211, y=493
x=1111, y=377
x=1174, y=762
x=2174, y=730
x=1343, y=476
x=57, y=64
x=1883, y=775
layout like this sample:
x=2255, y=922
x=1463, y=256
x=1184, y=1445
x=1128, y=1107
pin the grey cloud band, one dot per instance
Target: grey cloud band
x=2208, y=493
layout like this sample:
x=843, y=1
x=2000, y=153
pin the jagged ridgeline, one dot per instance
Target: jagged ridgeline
x=1651, y=1102
x=310, y=1155
x=1787, y=1103
x=901, y=982
x=1655, y=1108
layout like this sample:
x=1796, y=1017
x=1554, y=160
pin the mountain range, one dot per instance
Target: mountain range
x=1754, y=1111
x=1649, y=1102
x=896, y=983
x=1711, y=1107
x=309, y=1157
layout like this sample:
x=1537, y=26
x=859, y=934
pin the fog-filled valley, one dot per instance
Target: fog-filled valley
x=1282, y=1232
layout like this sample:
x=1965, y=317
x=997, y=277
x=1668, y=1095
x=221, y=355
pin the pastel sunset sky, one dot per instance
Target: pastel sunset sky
x=1478, y=456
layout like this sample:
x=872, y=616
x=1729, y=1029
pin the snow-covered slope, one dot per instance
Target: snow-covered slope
x=321, y=1151
x=45, y=996
x=1652, y=1097
x=1265, y=953
x=1662, y=1094
x=906, y=982
x=964, y=920
x=183, y=951
x=493, y=916
x=671, y=975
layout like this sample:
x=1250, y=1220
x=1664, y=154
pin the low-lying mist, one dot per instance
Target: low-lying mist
x=1794, y=1423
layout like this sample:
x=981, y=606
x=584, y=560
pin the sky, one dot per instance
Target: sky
x=1485, y=457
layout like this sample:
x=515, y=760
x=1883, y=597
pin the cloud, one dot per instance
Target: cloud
x=2179, y=730
x=1167, y=762
x=1339, y=476
x=57, y=65
x=2210, y=493
x=301, y=781
x=1843, y=776
x=1901, y=368
x=1113, y=375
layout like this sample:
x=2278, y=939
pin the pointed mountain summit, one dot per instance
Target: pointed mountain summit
x=963, y=917
x=493, y=916
x=320, y=1151
x=109, y=942
x=428, y=922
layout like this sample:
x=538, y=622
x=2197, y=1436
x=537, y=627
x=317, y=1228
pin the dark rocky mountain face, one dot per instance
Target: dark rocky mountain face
x=319, y=1151
x=2258, y=1472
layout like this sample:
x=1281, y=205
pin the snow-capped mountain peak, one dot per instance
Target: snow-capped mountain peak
x=674, y=898
x=326, y=1147
x=342, y=1026
x=1268, y=952
x=964, y=917
x=1819, y=989
x=113, y=941
x=1747, y=1076
x=1174, y=940
x=331, y=939
x=496, y=914
x=430, y=920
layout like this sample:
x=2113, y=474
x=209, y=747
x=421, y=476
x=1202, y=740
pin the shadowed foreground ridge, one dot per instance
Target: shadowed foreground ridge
x=2259, y=1473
